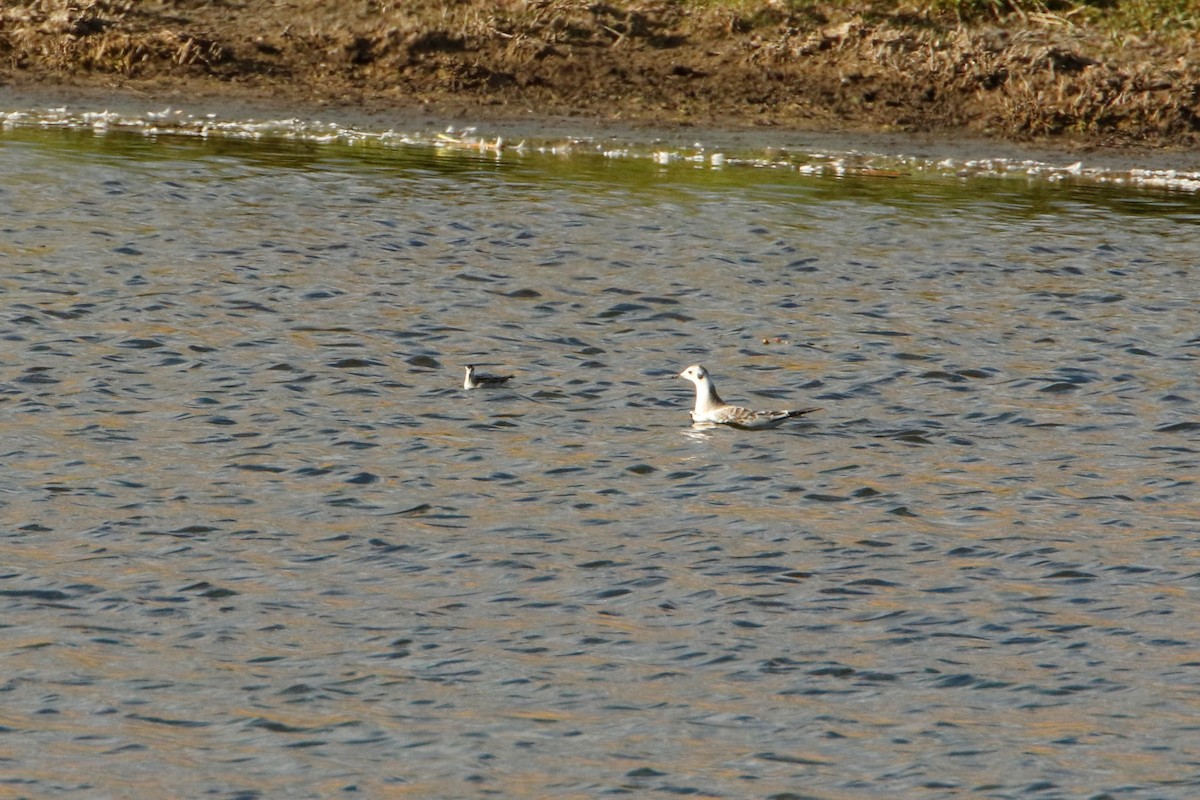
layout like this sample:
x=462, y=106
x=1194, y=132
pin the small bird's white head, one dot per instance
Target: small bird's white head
x=696, y=374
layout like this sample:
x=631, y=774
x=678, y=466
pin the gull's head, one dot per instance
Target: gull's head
x=696, y=374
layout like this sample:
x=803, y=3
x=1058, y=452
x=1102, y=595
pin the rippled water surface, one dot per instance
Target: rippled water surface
x=255, y=541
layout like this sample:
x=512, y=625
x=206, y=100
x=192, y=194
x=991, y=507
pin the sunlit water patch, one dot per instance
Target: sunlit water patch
x=257, y=541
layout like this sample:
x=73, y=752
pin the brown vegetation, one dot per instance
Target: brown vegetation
x=797, y=64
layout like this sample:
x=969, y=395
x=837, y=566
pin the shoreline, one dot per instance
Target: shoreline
x=822, y=73
x=240, y=106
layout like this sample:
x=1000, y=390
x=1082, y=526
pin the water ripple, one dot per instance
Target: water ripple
x=250, y=517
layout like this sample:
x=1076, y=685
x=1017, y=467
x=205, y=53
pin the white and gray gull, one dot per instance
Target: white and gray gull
x=476, y=380
x=711, y=409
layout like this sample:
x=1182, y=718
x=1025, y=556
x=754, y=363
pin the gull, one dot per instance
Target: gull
x=710, y=408
x=475, y=380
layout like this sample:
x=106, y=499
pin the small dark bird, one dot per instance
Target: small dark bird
x=476, y=380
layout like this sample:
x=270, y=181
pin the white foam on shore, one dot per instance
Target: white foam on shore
x=475, y=139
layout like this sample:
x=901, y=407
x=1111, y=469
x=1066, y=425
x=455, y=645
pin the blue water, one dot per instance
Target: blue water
x=256, y=541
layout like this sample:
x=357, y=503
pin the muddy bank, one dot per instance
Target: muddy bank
x=657, y=63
